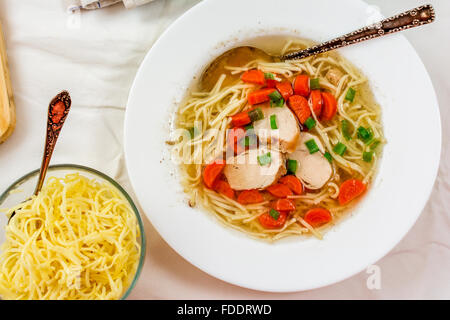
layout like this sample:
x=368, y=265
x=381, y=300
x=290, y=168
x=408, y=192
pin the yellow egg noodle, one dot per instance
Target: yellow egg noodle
x=77, y=239
x=212, y=110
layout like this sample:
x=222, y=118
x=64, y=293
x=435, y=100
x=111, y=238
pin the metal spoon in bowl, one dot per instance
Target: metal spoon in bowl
x=409, y=19
x=58, y=109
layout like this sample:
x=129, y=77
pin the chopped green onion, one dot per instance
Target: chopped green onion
x=312, y=146
x=328, y=156
x=345, y=129
x=256, y=114
x=264, y=159
x=278, y=103
x=367, y=156
x=193, y=132
x=275, y=96
x=273, y=122
x=274, y=214
x=314, y=84
x=350, y=96
x=248, y=127
x=339, y=148
x=292, y=166
x=310, y=123
x=269, y=75
x=374, y=144
x=365, y=134
x=249, y=141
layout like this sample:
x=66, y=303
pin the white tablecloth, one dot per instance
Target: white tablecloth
x=95, y=56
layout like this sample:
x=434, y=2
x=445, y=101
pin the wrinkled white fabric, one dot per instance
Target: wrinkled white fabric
x=98, y=4
x=95, y=56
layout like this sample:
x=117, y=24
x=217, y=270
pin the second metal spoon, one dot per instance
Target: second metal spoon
x=409, y=19
x=58, y=110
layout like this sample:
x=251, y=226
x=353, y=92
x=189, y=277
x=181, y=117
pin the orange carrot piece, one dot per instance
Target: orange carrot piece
x=329, y=107
x=301, y=85
x=283, y=205
x=299, y=105
x=223, y=187
x=212, y=171
x=293, y=183
x=350, y=190
x=315, y=100
x=253, y=76
x=260, y=96
x=285, y=89
x=268, y=222
x=279, y=190
x=240, y=119
x=317, y=217
x=250, y=197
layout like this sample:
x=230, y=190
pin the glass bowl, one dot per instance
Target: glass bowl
x=23, y=188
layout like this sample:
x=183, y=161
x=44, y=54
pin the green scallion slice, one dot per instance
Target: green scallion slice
x=278, y=103
x=269, y=75
x=249, y=127
x=249, y=141
x=312, y=146
x=350, y=96
x=274, y=214
x=275, y=96
x=365, y=134
x=264, y=159
x=345, y=127
x=374, y=144
x=310, y=123
x=292, y=166
x=328, y=156
x=192, y=132
x=367, y=156
x=339, y=148
x=256, y=114
x=273, y=122
x=314, y=84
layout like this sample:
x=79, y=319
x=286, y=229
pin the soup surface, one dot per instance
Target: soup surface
x=278, y=148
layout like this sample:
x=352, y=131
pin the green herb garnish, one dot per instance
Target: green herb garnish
x=312, y=146
x=339, y=148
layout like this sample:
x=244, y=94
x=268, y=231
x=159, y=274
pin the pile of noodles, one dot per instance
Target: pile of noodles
x=212, y=110
x=77, y=239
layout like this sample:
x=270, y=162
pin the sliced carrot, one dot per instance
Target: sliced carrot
x=250, y=196
x=301, y=85
x=316, y=102
x=329, y=107
x=223, y=187
x=212, y=171
x=285, y=89
x=253, y=76
x=279, y=190
x=260, y=96
x=350, y=190
x=268, y=222
x=299, y=105
x=240, y=119
x=234, y=137
x=317, y=217
x=283, y=205
x=293, y=183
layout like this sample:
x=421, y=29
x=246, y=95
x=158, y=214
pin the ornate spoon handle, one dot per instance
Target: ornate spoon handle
x=406, y=20
x=57, y=113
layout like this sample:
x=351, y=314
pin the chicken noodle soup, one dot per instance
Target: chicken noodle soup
x=277, y=149
x=77, y=239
